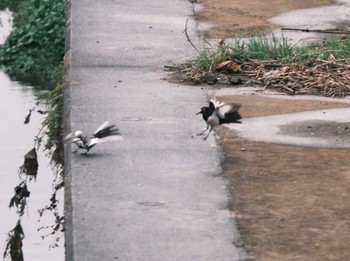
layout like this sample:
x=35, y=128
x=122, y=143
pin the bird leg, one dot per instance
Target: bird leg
x=205, y=138
x=86, y=152
x=199, y=134
x=76, y=150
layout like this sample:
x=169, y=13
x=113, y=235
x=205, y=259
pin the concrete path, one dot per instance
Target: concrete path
x=159, y=194
x=329, y=17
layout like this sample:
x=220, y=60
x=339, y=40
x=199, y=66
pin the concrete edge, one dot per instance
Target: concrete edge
x=68, y=209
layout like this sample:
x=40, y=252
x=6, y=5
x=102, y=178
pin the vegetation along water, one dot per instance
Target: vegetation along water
x=33, y=54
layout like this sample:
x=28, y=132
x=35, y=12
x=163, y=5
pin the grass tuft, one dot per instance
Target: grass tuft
x=268, y=47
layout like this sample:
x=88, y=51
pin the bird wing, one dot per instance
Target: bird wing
x=111, y=138
x=79, y=142
x=214, y=103
x=103, y=125
x=69, y=137
x=229, y=112
x=95, y=141
x=104, y=130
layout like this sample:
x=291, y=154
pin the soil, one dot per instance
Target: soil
x=230, y=17
x=290, y=202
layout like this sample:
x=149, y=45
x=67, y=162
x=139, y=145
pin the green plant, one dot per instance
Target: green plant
x=260, y=47
x=268, y=47
x=35, y=46
x=339, y=48
x=33, y=53
x=13, y=5
x=265, y=47
x=53, y=121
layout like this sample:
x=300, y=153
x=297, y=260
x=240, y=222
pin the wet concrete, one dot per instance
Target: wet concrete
x=159, y=194
x=332, y=17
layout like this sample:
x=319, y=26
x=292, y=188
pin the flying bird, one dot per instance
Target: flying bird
x=103, y=133
x=219, y=113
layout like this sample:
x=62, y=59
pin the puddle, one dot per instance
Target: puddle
x=322, y=128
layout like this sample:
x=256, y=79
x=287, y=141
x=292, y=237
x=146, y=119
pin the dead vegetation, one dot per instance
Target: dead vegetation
x=328, y=78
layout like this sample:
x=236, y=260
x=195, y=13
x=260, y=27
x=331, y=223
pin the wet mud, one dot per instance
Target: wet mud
x=229, y=17
x=291, y=202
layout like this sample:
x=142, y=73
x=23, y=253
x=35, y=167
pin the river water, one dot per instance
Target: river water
x=17, y=139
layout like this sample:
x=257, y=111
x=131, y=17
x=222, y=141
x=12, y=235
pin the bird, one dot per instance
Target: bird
x=219, y=113
x=103, y=133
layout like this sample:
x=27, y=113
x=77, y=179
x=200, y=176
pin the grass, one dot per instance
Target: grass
x=268, y=47
x=339, y=48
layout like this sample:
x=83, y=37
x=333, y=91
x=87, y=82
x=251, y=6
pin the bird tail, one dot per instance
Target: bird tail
x=110, y=138
x=233, y=117
x=106, y=130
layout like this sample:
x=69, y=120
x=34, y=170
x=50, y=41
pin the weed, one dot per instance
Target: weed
x=268, y=47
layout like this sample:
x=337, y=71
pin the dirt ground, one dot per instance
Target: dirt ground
x=234, y=16
x=290, y=202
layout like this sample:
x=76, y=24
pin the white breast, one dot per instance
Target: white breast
x=213, y=120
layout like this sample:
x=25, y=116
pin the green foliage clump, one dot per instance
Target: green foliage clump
x=339, y=48
x=53, y=120
x=35, y=46
x=13, y=5
x=269, y=47
x=260, y=47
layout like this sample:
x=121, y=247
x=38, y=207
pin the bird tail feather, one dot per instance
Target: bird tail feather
x=104, y=131
x=110, y=138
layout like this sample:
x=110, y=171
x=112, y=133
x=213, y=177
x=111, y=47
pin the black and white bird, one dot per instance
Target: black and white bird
x=103, y=133
x=219, y=113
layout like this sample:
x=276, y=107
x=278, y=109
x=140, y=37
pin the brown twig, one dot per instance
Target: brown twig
x=188, y=38
x=315, y=31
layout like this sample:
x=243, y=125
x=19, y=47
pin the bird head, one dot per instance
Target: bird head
x=73, y=135
x=206, y=112
x=78, y=134
x=202, y=111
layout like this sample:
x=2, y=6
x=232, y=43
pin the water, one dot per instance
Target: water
x=17, y=139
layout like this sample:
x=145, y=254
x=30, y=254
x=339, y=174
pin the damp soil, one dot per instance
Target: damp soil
x=229, y=17
x=290, y=202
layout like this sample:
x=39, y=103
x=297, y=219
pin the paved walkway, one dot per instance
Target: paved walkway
x=159, y=194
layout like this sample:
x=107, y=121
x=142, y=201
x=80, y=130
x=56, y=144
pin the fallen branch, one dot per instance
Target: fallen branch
x=314, y=31
x=188, y=38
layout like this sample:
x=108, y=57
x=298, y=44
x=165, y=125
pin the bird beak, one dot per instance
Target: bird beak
x=198, y=112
